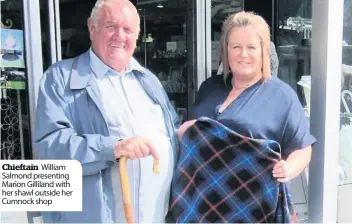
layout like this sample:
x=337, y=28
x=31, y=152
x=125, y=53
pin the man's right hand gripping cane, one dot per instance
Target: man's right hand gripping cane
x=132, y=148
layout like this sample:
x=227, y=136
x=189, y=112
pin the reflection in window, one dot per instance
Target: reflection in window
x=293, y=47
x=162, y=48
x=345, y=153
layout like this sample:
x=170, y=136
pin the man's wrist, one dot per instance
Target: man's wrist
x=117, y=158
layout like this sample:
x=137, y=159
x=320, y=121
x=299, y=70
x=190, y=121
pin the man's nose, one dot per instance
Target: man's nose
x=119, y=34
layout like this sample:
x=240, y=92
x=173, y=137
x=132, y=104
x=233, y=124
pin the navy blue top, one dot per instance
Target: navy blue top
x=266, y=110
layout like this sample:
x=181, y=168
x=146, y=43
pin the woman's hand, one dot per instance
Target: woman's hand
x=282, y=171
x=184, y=127
x=293, y=166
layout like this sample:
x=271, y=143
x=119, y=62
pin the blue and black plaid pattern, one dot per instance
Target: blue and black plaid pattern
x=222, y=176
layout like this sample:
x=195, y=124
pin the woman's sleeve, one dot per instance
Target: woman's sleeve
x=296, y=133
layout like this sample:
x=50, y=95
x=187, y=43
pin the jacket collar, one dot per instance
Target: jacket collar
x=88, y=65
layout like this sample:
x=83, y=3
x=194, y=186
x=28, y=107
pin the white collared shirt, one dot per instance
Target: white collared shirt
x=131, y=112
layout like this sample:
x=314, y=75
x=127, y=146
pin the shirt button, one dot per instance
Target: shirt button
x=110, y=163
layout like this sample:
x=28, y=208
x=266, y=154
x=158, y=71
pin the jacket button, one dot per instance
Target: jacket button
x=110, y=163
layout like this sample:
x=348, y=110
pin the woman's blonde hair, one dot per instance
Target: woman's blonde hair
x=244, y=19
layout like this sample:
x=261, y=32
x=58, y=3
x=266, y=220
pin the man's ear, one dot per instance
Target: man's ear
x=90, y=24
x=91, y=27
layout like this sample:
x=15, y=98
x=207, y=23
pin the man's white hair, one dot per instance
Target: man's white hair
x=101, y=3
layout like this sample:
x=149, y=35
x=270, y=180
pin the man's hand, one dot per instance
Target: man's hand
x=184, y=127
x=134, y=148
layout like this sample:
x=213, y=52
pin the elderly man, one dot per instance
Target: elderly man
x=102, y=105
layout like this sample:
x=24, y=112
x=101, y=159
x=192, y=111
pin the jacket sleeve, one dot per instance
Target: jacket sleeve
x=55, y=136
x=174, y=116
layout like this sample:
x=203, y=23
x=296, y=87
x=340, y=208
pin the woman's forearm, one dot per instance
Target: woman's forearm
x=298, y=160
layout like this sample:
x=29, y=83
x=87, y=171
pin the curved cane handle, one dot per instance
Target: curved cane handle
x=125, y=187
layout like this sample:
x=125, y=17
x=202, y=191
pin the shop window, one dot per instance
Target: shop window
x=14, y=123
x=162, y=48
x=345, y=152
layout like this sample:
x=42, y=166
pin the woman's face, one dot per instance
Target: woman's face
x=245, y=53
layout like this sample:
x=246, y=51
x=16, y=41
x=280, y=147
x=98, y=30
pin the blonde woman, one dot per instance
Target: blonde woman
x=247, y=99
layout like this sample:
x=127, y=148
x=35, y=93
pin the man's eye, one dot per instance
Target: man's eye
x=128, y=30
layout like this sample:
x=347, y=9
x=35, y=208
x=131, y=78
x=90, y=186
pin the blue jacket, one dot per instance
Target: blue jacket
x=71, y=124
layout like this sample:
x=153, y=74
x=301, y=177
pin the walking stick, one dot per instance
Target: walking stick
x=126, y=196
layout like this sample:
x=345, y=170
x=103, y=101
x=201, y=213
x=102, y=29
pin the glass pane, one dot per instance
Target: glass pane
x=293, y=47
x=73, y=23
x=14, y=129
x=345, y=176
x=345, y=152
x=162, y=48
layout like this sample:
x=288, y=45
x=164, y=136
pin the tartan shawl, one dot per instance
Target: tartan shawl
x=222, y=176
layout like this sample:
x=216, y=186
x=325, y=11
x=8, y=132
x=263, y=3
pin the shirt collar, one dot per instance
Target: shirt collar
x=99, y=68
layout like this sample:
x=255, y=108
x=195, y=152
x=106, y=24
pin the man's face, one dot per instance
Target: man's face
x=114, y=33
